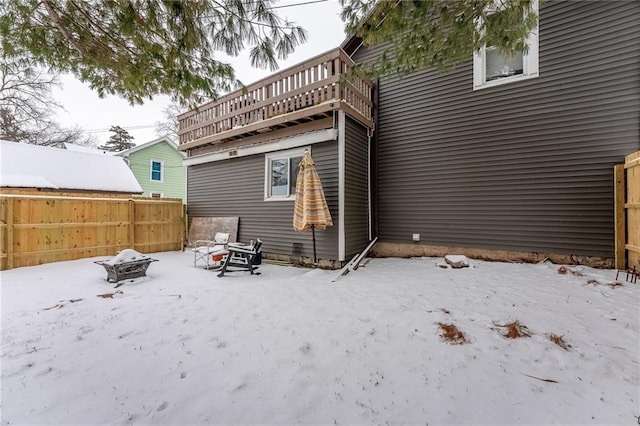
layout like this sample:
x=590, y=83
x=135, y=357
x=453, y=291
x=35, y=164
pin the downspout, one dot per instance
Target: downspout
x=341, y=186
x=374, y=167
x=369, y=190
x=185, y=204
x=186, y=183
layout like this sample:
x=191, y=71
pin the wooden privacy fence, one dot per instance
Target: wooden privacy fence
x=627, y=212
x=44, y=228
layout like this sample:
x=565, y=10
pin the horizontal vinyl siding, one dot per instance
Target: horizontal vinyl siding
x=522, y=166
x=174, y=173
x=356, y=217
x=235, y=187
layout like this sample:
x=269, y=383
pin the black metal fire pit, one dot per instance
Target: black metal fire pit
x=126, y=265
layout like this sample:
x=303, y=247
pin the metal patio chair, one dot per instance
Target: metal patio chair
x=242, y=258
x=211, y=252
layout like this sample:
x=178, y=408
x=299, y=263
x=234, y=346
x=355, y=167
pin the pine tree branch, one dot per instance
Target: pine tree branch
x=102, y=30
x=57, y=22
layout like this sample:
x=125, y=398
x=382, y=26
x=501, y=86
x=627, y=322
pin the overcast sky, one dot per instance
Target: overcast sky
x=85, y=109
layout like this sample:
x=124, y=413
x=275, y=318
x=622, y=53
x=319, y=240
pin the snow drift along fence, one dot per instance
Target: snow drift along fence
x=627, y=212
x=44, y=228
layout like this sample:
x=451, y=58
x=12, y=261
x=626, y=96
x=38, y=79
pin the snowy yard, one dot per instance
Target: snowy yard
x=182, y=346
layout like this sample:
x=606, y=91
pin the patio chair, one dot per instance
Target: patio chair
x=242, y=258
x=211, y=252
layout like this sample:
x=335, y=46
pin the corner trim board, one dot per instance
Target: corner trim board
x=341, y=178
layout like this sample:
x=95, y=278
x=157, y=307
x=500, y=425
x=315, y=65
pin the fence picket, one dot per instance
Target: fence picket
x=47, y=228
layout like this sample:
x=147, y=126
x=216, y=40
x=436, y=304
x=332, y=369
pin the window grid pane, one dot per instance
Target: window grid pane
x=279, y=177
x=295, y=162
x=156, y=171
x=500, y=66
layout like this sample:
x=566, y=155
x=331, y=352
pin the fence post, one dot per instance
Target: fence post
x=632, y=207
x=132, y=234
x=185, y=227
x=9, y=233
x=619, y=216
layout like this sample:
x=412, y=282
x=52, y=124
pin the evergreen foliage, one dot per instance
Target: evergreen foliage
x=119, y=141
x=420, y=34
x=138, y=49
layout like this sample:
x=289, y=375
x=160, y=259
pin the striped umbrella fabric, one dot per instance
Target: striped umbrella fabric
x=310, y=209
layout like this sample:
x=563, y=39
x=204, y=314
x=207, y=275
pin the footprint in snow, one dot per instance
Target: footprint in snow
x=305, y=349
x=162, y=406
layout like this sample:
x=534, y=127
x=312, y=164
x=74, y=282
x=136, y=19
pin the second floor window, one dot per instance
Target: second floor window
x=157, y=171
x=492, y=68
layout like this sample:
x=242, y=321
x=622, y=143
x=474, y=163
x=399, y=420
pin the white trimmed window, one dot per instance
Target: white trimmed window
x=157, y=171
x=281, y=173
x=156, y=194
x=491, y=68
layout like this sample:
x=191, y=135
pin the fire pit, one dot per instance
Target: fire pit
x=125, y=265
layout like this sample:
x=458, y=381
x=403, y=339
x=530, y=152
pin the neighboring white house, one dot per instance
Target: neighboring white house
x=31, y=166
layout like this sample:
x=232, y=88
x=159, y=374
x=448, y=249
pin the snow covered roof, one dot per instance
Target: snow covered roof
x=31, y=166
x=87, y=149
x=166, y=139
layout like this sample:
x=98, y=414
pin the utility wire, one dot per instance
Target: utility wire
x=298, y=4
x=149, y=126
x=139, y=127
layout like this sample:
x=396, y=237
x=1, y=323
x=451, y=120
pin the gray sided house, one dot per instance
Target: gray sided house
x=516, y=165
x=500, y=158
x=243, y=151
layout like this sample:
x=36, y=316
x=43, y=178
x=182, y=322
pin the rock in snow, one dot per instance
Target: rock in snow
x=457, y=261
x=442, y=264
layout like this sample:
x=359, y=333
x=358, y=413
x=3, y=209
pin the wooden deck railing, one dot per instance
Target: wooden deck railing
x=318, y=85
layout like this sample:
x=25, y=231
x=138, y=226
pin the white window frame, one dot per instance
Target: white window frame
x=151, y=179
x=530, y=61
x=152, y=193
x=298, y=152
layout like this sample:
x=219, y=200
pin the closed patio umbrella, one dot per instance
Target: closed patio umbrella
x=310, y=211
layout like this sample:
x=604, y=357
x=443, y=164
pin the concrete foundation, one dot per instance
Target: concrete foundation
x=422, y=250
x=419, y=250
x=303, y=261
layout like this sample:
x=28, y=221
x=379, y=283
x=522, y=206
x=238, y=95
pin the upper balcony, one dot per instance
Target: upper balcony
x=300, y=94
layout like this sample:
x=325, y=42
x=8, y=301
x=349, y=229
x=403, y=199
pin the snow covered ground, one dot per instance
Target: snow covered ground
x=290, y=346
